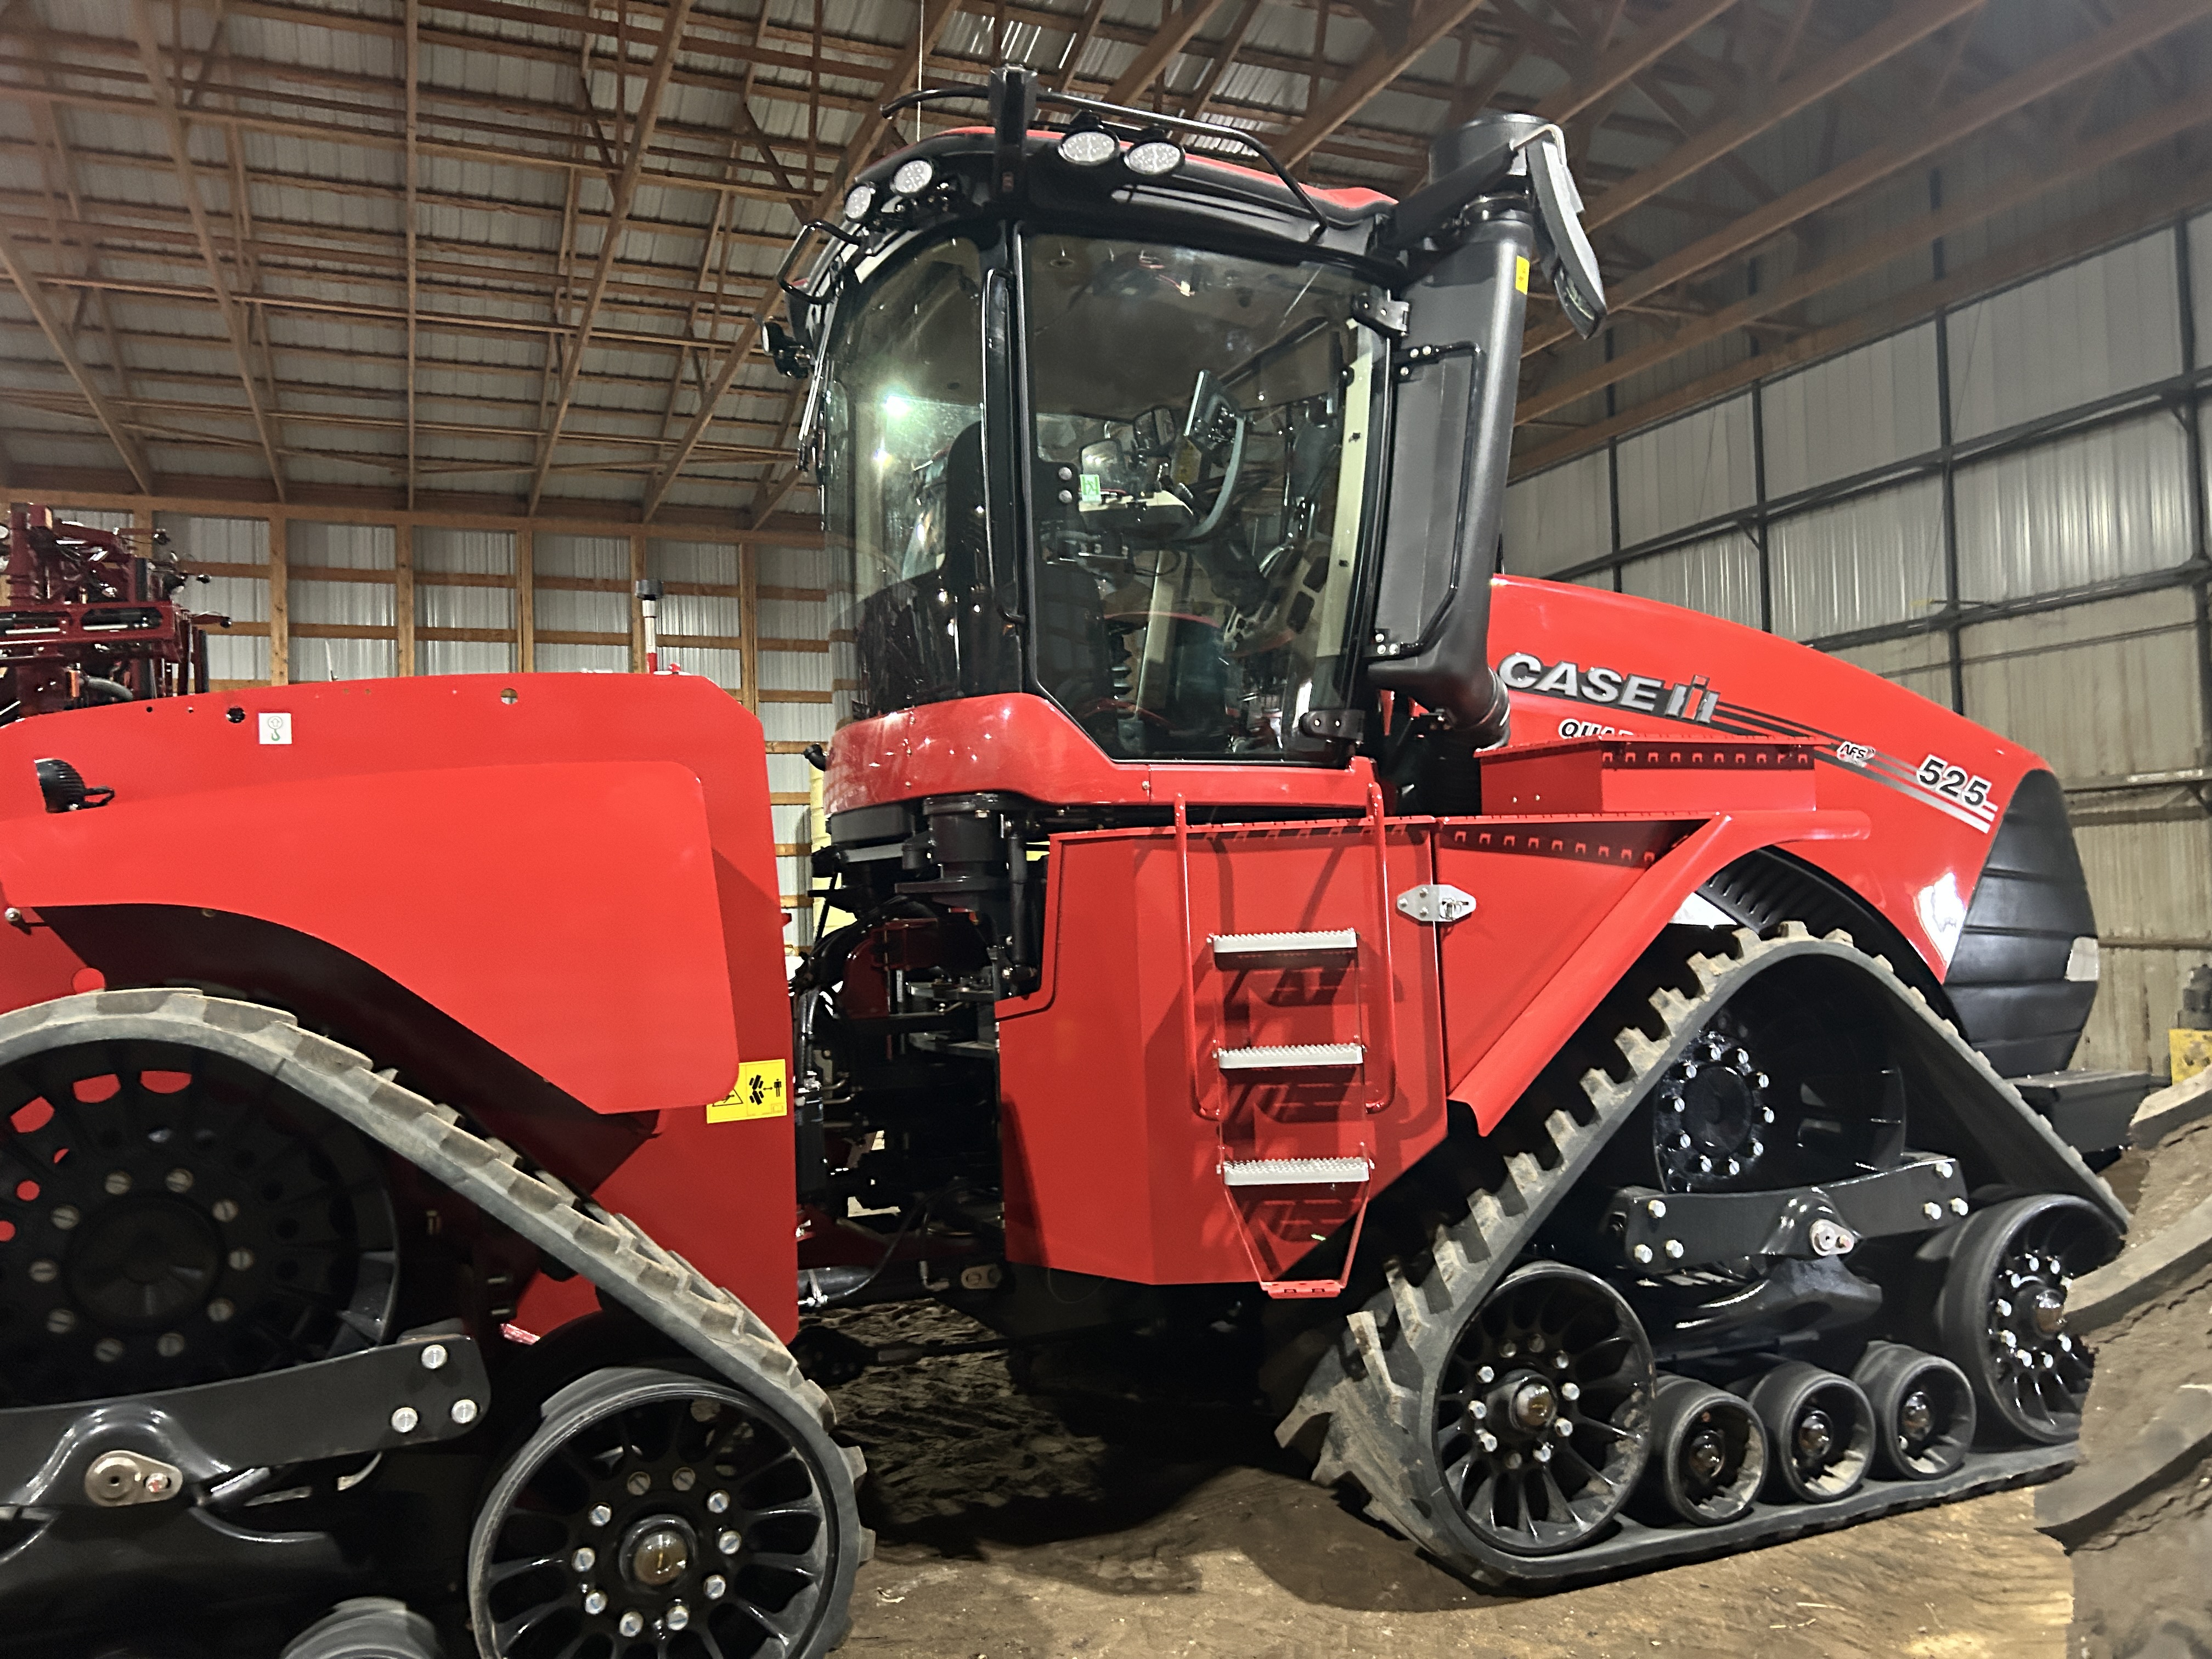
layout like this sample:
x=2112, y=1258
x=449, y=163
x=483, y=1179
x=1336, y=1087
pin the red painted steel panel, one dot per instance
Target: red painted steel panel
x=1113, y=1166
x=580, y=869
x=1028, y=746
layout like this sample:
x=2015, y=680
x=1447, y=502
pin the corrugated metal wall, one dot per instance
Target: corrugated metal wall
x=2004, y=509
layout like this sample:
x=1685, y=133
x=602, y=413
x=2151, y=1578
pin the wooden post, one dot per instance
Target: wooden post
x=636, y=612
x=403, y=596
x=525, y=602
x=749, y=626
x=280, y=601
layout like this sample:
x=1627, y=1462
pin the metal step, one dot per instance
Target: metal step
x=1292, y=1057
x=1283, y=950
x=1295, y=1171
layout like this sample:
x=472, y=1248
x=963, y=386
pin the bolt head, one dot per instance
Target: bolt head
x=702, y=1411
x=600, y=1515
x=2004, y=1309
x=1484, y=1374
x=1570, y=1391
x=729, y=1543
x=156, y=1484
x=1766, y=1115
x=178, y=1181
x=224, y=1209
x=1564, y=1429
x=434, y=1357
x=117, y=1183
x=596, y=1602
x=1656, y=1208
x=65, y=1216
x=241, y=1259
x=1945, y=1167
x=2008, y=1339
x=1542, y=1454
x=463, y=1412
x=638, y=1484
x=1934, y=1211
x=717, y=1502
x=45, y=1272
x=684, y=1479
x=221, y=1309
x=169, y=1345
x=716, y=1587
x=678, y=1616
x=1958, y=1206
x=631, y=1623
x=404, y=1419
x=1477, y=1409
x=585, y=1558
x=1674, y=1250
x=61, y=1321
x=1488, y=1441
x=1642, y=1253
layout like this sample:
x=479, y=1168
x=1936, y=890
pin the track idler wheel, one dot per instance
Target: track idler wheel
x=2000, y=1316
x=1820, y=1428
x=656, y=1513
x=1708, y=1452
x=1923, y=1410
x=1543, y=1411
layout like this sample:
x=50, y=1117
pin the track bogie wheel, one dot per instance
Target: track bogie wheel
x=656, y=1515
x=1923, y=1410
x=1543, y=1411
x=168, y=1217
x=1708, y=1452
x=1821, y=1430
x=2000, y=1316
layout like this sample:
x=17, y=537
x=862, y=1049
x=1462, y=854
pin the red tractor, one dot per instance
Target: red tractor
x=1550, y=1045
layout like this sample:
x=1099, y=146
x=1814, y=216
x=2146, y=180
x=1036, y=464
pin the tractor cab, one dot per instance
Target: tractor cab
x=1118, y=415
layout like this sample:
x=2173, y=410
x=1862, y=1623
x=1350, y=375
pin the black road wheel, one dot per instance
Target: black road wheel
x=659, y=1516
x=1708, y=1452
x=1543, y=1411
x=168, y=1217
x=1820, y=1428
x=1923, y=1410
x=2000, y=1316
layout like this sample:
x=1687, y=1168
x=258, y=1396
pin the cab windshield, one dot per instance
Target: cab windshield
x=1200, y=429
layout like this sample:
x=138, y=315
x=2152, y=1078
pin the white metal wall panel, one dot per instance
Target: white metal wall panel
x=795, y=722
x=1863, y=563
x=790, y=774
x=2098, y=690
x=437, y=606
x=795, y=619
x=553, y=554
x=2138, y=994
x=92, y=518
x=2200, y=279
x=1919, y=662
x=1718, y=576
x=2151, y=882
x=1686, y=472
x=472, y=552
x=2088, y=508
x=343, y=546
x=713, y=563
x=233, y=658
x=1864, y=409
x=2091, y=330
x=793, y=567
x=1560, y=518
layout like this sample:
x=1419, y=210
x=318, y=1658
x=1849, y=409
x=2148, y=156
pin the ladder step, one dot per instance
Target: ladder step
x=1283, y=950
x=1294, y=1171
x=1292, y=1057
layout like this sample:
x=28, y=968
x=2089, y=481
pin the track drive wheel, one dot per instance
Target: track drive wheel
x=2000, y=1316
x=659, y=1514
x=1543, y=1410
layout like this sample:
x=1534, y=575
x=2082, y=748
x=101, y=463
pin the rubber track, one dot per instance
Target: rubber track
x=1374, y=1387
x=611, y=1250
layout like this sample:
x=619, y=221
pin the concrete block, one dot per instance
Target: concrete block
x=2073, y=1509
x=2164, y=1110
x=2147, y=1269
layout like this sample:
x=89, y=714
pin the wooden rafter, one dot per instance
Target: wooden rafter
x=58, y=336
x=625, y=192
x=174, y=128
x=1179, y=25
x=2146, y=24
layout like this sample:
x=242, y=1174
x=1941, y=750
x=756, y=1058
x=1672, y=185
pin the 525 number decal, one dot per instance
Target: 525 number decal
x=1945, y=779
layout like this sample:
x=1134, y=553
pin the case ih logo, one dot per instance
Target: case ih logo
x=1691, y=700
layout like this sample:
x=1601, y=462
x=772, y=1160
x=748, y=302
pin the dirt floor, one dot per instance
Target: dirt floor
x=2141, y=1586
x=1008, y=1530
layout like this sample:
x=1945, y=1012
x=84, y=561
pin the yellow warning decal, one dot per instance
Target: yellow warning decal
x=1521, y=274
x=759, y=1092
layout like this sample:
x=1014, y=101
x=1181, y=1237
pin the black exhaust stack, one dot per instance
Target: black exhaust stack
x=1499, y=203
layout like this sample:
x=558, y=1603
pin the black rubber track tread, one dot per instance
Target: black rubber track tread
x=613, y=1252
x=1371, y=1395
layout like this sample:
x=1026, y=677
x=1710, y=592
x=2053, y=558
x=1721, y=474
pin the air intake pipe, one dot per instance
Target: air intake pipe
x=1499, y=203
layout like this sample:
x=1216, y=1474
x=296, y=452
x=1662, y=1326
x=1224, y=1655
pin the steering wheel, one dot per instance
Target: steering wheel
x=1210, y=407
